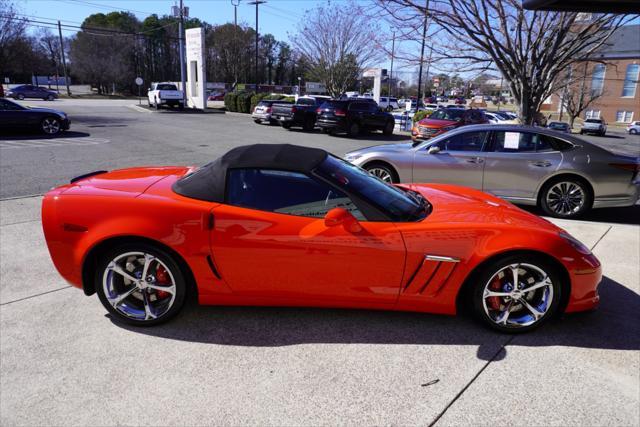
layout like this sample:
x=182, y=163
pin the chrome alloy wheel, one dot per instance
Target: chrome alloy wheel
x=381, y=173
x=50, y=126
x=565, y=198
x=517, y=295
x=139, y=285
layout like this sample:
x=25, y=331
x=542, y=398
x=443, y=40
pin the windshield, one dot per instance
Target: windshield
x=449, y=114
x=167, y=87
x=401, y=205
x=593, y=121
x=556, y=125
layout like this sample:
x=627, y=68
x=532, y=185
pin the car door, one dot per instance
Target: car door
x=517, y=162
x=460, y=160
x=12, y=115
x=270, y=241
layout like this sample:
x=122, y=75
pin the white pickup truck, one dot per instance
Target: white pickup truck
x=165, y=94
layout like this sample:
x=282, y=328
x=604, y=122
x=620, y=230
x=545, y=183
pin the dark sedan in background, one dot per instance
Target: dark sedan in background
x=30, y=91
x=353, y=116
x=46, y=120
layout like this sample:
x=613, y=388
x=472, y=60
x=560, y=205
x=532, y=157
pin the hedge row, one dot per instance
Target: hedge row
x=245, y=102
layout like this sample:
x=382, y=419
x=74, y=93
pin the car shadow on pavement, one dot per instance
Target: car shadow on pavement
x=613, y=326
x=31, y=135
x=630, y=215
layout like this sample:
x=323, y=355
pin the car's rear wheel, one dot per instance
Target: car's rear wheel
x=140, y=284
x=382, y=171
x=633, y=132
x=566, y=197
x=286, y=125
x=309, y=124
x=257, y=121
x=50, y=98
x=50, y=126
x=517, y=293
x=354, y=130
x=388, y=128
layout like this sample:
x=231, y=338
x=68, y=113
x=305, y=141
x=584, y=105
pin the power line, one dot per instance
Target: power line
x=107, y=7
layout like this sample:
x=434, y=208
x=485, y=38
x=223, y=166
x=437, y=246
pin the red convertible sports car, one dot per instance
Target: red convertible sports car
x=286, y=225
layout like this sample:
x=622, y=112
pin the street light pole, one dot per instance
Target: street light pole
x=183, y=73
x=393, y=47
x=257, y=3
x=424, y=36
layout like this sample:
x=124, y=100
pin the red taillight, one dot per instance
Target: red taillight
x=268, y=109
x=632, y=167
x=340, y=113
x=294, y=109
x=319, y=111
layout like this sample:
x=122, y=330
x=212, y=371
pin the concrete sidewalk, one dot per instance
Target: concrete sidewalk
x=64, y=362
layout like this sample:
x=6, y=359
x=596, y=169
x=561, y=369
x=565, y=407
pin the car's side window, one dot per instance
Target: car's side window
x=468, y=141
x=358, y=106
x=8, y=106
x=520, y=142
x=285, y=192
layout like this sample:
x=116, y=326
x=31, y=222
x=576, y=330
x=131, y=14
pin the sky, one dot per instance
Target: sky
x=278, y=17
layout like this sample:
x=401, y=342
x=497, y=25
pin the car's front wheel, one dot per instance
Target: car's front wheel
x=517, y=293
x=633, y=132
x=20, y=96
x=388, y=128
x=354, y=130
x=140, y=284
x=50, y=98
x=50, y=126
x=566, y=197
x=382, y=171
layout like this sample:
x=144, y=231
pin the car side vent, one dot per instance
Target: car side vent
x=213, y=268
x=431, y=275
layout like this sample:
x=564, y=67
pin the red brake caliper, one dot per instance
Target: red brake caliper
x=494, y=302
x=162, y=278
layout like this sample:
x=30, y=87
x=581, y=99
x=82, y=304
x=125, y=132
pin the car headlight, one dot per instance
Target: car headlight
x=352, y=157
x=575, y=243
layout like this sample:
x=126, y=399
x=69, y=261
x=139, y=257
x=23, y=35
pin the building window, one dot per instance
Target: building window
x=592, y=114
x=630, y=80
x=597, y=79
x=624, y=116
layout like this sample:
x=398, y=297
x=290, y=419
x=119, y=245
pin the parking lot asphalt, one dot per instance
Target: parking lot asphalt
x=63, y=361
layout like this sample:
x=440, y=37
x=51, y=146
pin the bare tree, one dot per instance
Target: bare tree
x=578, y=96
x=530, y=48
x=12, y=30
x=337, y=40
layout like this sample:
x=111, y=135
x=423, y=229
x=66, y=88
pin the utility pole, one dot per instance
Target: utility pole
x=64, y=60
x=424, y=36
x=257, y=3
x=393, y=48
x=235, y=4
x=183, y=72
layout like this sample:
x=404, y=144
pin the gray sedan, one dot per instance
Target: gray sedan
x=562, y=174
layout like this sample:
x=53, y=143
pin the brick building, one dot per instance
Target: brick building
x=612, y=72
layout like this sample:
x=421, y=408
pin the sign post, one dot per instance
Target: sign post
x=139, y=82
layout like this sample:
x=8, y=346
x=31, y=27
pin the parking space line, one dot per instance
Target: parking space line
x=36, y=295
x=601, y=237
x=37, y=143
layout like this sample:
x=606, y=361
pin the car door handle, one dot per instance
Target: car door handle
x=475, y=160
x=541, y=164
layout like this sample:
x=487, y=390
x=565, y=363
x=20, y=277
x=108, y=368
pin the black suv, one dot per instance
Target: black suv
x=353, y=116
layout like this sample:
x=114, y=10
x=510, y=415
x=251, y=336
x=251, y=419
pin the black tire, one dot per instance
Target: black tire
x=325, y=130
x=50, y=98
x=20, y=96
x=550, y=208
x=581, y=132
x=257, y=121
x=181, y=106
x=633, y=132
x=483, y=279
x=309, y=124
x=286, y=125
x=354, y=130
x=50, y=125
x=388, y=128
x=165, y=258
x=155, y=104
x=370, y=167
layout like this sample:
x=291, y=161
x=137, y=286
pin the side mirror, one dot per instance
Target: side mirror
x=340, y=216
x=434, y=149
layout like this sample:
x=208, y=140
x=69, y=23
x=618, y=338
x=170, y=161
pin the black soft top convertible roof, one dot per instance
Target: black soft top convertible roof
x=209, y=182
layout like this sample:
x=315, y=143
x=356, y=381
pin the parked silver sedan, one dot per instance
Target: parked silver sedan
x=564, y=175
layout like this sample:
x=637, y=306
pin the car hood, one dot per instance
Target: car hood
x=457, y=204
x=436, y=123
x=129, y=182
x=48, y=110
x=385, y=148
